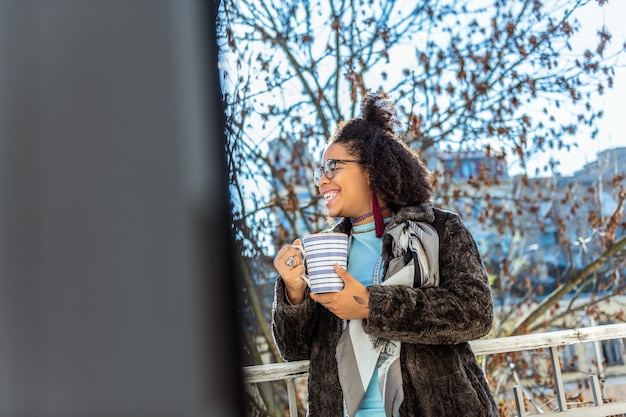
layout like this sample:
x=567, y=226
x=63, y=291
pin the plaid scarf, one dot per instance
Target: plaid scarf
x=358, y=353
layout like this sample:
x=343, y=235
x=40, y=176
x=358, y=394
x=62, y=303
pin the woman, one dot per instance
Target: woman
x=394, y=341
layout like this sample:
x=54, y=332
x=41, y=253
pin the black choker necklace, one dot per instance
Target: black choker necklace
x=366, y=215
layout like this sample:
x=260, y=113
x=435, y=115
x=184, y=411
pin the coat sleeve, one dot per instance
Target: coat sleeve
x=460, y=309
x=292, y=325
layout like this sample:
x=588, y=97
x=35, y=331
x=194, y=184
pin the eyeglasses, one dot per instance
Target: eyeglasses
x=329, y=168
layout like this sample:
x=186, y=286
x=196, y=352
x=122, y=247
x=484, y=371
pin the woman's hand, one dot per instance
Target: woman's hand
x=349, y=303
x=291, y=275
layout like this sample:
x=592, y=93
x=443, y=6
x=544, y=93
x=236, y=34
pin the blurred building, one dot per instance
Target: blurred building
x=556, y=227
x=543, y=227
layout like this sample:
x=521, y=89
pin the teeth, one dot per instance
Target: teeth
x=329, y=196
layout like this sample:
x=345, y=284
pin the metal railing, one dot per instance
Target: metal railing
x=550, y=340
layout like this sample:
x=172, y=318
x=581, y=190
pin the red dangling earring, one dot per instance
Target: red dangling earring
x=379, y=223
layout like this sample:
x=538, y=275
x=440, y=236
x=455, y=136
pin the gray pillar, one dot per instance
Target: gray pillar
x=116, y=274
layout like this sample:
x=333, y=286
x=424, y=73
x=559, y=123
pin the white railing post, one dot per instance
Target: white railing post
x=518, y=392
x=558, y=379
x=595, y=390
x=291, y=393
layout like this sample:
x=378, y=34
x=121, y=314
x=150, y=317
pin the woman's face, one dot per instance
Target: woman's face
x=348, y=193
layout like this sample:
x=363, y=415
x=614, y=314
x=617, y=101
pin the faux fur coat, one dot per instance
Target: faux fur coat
x=440, y=374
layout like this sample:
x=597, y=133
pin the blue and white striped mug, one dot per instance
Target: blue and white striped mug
x=321, y=251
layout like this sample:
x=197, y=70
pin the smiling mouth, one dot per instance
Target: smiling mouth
x=329, y=196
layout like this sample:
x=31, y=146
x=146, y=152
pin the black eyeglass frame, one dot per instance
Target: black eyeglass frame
x=328, y=169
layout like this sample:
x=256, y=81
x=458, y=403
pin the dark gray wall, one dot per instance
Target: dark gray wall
x=116, y=272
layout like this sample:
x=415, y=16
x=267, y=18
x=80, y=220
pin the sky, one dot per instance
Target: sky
x=612, y=132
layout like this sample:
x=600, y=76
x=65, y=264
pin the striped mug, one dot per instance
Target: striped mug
x=321, y=251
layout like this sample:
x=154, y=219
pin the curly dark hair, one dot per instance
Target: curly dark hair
x=397, y=174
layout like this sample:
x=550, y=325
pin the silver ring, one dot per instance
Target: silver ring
x=291, y=261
